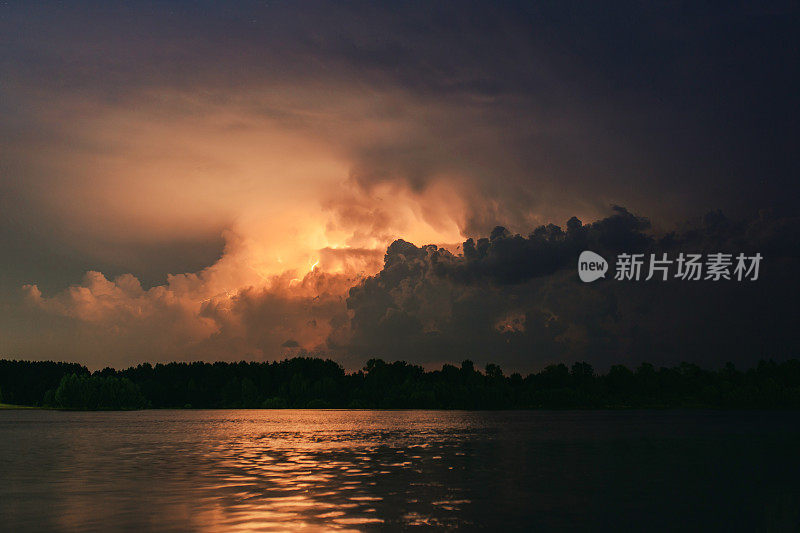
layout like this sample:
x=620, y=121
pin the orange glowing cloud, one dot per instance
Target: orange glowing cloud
x=298, y=227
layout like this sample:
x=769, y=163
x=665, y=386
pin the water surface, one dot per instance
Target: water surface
x=337, y=469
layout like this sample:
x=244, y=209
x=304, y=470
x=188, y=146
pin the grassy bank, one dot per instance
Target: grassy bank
x=4, y=406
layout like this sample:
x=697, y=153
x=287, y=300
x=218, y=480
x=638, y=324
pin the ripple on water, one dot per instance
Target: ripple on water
x=357, y=470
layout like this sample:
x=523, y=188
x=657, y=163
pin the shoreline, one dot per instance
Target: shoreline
x=13, y=407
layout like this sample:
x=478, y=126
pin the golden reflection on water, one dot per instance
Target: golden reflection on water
x=311, y=470
x=388, y=470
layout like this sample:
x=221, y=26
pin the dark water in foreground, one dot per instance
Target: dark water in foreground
x=310, y=470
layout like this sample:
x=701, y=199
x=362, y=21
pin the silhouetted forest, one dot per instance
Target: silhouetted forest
x=306, y=382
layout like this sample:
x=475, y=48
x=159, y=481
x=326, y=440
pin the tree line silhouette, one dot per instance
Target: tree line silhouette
x=308, y=382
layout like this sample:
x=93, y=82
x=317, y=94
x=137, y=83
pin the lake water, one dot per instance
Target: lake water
x=329, y=469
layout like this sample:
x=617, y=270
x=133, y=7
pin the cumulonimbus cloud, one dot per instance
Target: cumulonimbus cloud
x=517, y=299
x=506, y=298
x=319, y=140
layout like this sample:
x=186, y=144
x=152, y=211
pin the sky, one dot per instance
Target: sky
x=221, y=181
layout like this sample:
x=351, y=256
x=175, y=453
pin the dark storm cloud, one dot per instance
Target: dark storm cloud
x=536, y=103
x=507, y=259
x=466, y=115
x=517, y=300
